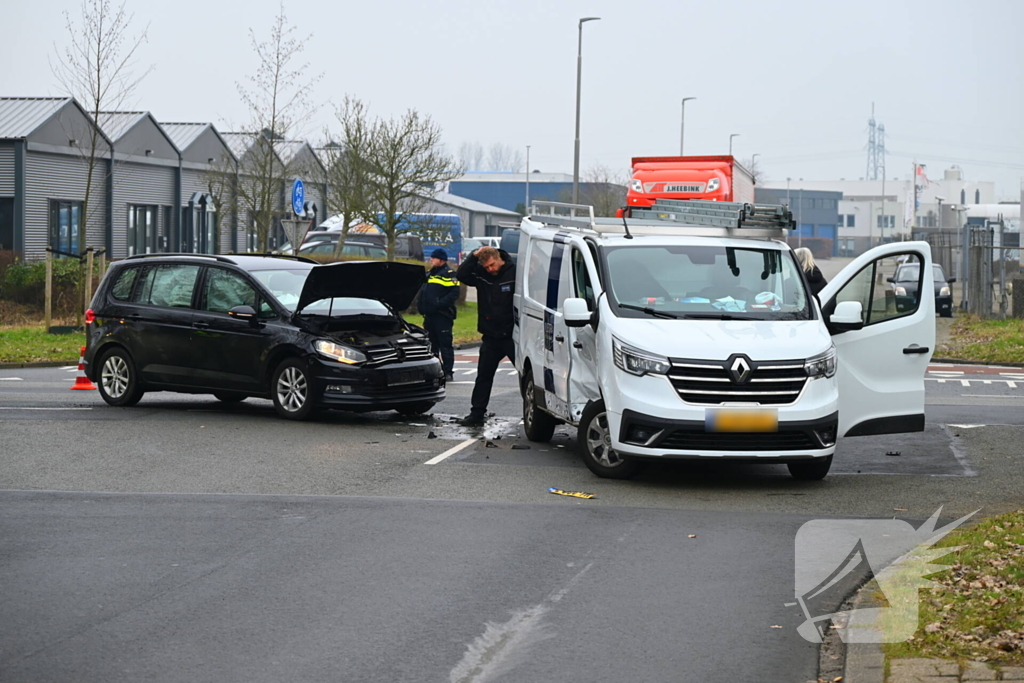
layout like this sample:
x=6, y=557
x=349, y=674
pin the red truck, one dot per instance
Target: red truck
x=711, y=178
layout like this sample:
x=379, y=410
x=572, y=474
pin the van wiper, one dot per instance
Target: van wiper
x=650, y=311
x=717, y=316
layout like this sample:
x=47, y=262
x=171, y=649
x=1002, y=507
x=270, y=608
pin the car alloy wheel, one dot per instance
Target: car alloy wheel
x=118, y=381
x=594, y=440
x=599, y=442
x=115, y=376
x=292, y=389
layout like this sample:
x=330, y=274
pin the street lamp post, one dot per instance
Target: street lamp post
x=682, y=123
x=526, y=206
x=731, y=136
x=753, y=160
x=579, y=78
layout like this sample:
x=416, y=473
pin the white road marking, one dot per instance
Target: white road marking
x=10, y=379
x=991, y=396
x=965, y=383
x=462, y=382
x=450, y=452
x=944, y=372
x=1012, y=385
x=469, y=372
x=513, y=372
x=20, y=408
x=967, y=426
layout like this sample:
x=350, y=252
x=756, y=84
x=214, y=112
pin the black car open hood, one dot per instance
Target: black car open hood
x=392, y=283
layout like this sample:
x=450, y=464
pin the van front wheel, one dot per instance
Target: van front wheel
x=538, y=425
x=594, y=441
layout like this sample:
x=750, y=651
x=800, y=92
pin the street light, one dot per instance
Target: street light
x=682, y=123
x=731, y=136
x=527, y=205
x=753, y=160
x=579, y=78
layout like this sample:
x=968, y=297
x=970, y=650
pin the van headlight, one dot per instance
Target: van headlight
x=636, y=185
x=339, y=353
x=713, y=184
x=943, y=291
x=637, y=362
x=822, y=365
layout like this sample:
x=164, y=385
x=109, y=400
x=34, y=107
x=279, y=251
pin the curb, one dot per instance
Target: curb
x=42, y=364
x=961, y=361
x=467, y=345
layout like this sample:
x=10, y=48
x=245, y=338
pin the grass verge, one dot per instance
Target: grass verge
x=32, y=345
x=973, y=610
x=464, y=330
x=989, y=341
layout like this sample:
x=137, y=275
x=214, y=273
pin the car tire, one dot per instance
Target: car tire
x=118, y=379
x=946, y=314
x=415, y=408
x=292, y=390
x=225, y=397
x=810, y=470
x=593, y=440
x=538, y=425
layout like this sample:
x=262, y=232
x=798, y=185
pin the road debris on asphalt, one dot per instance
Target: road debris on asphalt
x=520, y=447
x=574, y=494
x=894, y=453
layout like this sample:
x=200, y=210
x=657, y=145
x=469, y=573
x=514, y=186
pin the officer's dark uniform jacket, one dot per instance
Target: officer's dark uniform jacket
x=494, y=294
x=439, y=295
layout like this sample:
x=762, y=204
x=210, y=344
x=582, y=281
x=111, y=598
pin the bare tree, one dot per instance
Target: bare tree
x=754, y=166
x=97, y=69
x=406, y=164
x=278, y=99
x=604, y=189
x=471, y=156
x=502, y=157
x=347, y=163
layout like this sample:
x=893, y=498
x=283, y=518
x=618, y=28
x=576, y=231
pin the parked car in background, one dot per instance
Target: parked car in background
x=304, y=335
x=327, y=248
x=311, y=236
x=905, y=283
x=471, y=244
x=510, y=242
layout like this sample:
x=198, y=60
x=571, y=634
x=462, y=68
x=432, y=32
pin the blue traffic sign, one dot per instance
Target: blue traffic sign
x=298, y=197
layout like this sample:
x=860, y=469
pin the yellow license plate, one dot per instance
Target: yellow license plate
x=738, y=420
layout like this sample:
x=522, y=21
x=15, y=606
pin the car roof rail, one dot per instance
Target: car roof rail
x=303, y=259
x=178, y=255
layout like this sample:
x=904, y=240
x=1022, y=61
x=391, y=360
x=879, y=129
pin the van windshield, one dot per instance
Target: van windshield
x=691, y=281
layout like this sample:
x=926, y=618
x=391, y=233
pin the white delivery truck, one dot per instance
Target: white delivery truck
x=689, y=331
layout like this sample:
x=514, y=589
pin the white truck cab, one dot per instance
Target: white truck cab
x=689, y=331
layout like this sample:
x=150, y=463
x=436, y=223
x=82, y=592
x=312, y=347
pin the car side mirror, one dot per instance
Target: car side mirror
x=575, y=313
x=890, y=279
x=847, y=317
x=247, y=313
x=951, y=280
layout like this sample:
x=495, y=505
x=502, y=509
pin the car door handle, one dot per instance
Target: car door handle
x=201, y=325
x=577, y=345
x=559, y=338
x=914, y=348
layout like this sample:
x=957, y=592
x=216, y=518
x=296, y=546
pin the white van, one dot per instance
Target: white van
x=694, y=335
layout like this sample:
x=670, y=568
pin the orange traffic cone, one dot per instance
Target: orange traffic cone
x=81, y=381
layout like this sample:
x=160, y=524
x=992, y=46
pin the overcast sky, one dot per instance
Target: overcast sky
x=795, y=78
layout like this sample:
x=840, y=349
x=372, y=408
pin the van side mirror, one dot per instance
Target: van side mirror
x=575, y=313
x=847, y=317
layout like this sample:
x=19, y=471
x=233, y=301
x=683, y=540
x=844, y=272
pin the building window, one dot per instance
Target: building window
x=977, y=196
x=6, y=224
x=963, y=196
x=142, y=231
x=199, y=226
x=65, y=221
x=851, y=220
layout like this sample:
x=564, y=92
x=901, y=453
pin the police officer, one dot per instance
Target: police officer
x=437, y=304
x=493, y=273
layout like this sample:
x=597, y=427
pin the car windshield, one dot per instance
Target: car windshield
x=286, y=286
x=691, y=281
x=910, y=273
x=346, y=306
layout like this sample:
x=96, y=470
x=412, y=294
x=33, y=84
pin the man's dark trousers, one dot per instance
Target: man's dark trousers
x=439, y=330
x=492, y=351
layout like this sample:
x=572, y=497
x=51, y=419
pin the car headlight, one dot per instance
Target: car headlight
x=822, y=365
x=636, y=185
x=714, y=184
x=637, y=362
x=337, y=352
x=901, y=291
x=943, y=291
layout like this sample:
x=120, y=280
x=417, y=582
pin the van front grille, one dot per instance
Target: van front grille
x=716, y=382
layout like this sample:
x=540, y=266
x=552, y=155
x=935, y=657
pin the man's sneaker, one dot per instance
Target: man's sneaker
x=448, y=377
x=472, y=420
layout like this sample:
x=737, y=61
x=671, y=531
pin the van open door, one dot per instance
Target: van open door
x=884, y=336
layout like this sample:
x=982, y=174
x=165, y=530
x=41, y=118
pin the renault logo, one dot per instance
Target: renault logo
x=739, y=370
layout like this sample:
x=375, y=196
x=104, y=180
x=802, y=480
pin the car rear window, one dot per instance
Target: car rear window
x=122, y=288
x=170, y=286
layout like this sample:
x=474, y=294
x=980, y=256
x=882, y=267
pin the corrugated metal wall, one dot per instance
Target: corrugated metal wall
x=6, y=171
x=54, y=176
x=139, y=184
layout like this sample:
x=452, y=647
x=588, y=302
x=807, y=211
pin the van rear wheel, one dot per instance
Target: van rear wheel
x=594, y=441
x=538, y=425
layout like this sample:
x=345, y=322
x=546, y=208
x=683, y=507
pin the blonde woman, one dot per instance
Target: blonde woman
x=815, y=279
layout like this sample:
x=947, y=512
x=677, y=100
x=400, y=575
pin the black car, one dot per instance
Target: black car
x=905, y=283
x=306, y=336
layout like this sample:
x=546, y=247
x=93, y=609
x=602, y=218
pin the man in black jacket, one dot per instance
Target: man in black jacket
x=437, y=304
x=493, y=273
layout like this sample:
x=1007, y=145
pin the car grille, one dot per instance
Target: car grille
x=700, y=440
x=382, y=355
x=711, y=383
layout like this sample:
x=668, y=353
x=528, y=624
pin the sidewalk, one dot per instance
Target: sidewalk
x=948, y=671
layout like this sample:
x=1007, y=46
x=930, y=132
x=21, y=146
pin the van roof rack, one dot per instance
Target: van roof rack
x=675, y=217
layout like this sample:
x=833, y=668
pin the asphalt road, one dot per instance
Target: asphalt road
x=187, y=540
